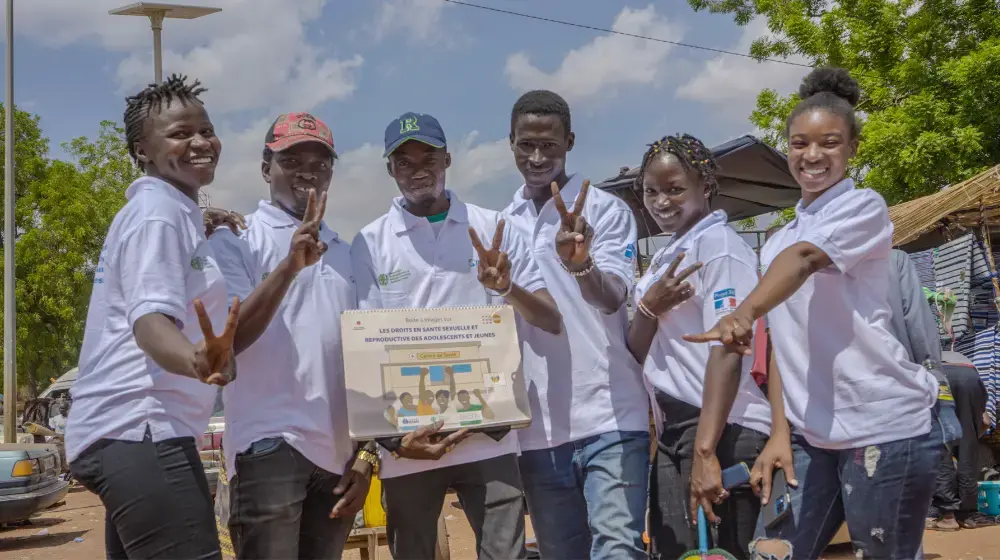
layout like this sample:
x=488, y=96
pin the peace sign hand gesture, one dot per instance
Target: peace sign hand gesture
x=306, y=248
x=669, y=290
x=211, y=359
x=494, y=265
x=575, y=234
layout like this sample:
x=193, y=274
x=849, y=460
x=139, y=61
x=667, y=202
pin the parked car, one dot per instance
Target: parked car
x=29, y=480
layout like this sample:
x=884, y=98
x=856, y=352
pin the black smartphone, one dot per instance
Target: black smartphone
x=736, y=475
x=780, y=504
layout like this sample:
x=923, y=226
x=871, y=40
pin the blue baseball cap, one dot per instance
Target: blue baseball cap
x=413, y=126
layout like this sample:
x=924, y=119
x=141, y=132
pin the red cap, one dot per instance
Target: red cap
x=295, y=128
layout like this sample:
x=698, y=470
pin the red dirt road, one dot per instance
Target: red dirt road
x=51, y=537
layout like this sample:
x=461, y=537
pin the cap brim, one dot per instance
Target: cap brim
x=283, y=144
x=432, y=142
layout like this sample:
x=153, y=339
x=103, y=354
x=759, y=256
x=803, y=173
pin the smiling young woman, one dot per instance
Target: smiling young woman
x=143, y=398
x=703, y=272
x=850, y=410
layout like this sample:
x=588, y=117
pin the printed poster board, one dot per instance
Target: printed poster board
x=407, y=368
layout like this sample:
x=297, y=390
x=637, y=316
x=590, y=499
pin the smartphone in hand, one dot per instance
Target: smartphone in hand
x=780, y=504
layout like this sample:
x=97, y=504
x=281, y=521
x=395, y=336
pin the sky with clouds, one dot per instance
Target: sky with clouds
x=357, y=64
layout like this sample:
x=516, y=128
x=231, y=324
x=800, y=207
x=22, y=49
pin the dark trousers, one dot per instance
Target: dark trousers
x=280, y=503
x=491, y=497
x=670, y=485
x=958, y=472
x=155, y=495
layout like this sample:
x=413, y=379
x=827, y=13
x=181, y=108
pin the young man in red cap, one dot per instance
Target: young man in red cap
x=296, y=480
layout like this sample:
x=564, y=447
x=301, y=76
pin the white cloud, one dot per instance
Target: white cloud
x=731, y=83
x=416, y=20
x=481, y=172
x=600, y=67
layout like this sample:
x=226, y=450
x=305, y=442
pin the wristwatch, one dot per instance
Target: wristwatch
x=370, y=458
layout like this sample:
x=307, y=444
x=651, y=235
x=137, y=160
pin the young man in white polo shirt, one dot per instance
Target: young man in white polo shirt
x=585, y=456
x=294, y=491
x=419, y=255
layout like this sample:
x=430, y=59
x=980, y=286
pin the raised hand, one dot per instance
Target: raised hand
x=307, y=249
x=210, y=361
x=669, y=290
x=214, y=218
x=734, y=330
x=494, y=265
x=575, y=234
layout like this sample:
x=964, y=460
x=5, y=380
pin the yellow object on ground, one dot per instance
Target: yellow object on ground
x=373, y=512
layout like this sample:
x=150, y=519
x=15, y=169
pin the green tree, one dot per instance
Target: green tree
x=63, y=214
x=929, y=71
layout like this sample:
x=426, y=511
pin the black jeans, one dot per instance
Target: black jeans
x=155, y=495
x=955, y=490
x=670, y=484
x=280, y=503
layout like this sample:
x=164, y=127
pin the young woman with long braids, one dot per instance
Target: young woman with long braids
x=695, y=385
x=150, y=357
x=860, y=431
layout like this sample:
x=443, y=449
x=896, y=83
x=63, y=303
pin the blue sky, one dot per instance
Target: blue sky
x=359, y=63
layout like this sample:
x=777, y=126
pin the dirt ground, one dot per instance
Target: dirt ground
x=75, y=530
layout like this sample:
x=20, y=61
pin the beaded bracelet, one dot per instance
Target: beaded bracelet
x=584, y=272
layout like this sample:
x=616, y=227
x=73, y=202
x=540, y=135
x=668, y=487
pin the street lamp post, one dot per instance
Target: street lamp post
x=9, y=309
x=157, y=12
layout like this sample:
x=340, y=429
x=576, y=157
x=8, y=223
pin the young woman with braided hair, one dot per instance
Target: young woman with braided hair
x=703, y=273
x=150, y=356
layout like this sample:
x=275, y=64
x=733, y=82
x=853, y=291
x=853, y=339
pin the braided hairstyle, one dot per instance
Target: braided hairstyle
x=139, y=106
x=692, y=154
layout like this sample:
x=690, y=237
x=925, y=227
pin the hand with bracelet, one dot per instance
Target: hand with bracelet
x=575, y=234
x=354, y=483
x=668, y=291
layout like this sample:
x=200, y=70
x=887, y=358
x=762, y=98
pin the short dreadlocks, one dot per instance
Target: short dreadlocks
x=152, y=98
x=691, y=152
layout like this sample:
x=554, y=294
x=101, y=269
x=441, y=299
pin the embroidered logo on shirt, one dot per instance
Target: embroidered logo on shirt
x=264, y=276
x=473, y=263
x=200, y=263
x=393, y=277
x=725, y=301
x=630, y=251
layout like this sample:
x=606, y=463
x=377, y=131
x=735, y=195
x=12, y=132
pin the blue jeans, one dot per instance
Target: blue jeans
x=882, y=491
x=587, y=498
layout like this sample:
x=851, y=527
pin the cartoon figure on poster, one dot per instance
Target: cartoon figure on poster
x=453, y=391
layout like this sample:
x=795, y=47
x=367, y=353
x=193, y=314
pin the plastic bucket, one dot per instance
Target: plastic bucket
x=989, y=498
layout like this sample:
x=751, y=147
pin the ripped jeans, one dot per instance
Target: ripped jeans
x=882, y=491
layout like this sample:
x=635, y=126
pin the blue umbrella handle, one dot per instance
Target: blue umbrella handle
x=702, y=531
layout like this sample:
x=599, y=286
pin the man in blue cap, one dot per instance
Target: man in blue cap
x=425, y=253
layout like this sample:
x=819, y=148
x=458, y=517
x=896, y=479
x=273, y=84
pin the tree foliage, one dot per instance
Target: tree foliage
x=63, y=212
x=929, y=72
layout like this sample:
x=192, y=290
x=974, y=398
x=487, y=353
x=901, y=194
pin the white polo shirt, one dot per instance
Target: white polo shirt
x=155, y=259
x=424, y=269
x=583, y=382
x=727, y=275
x=847, y=381
x=290, y=381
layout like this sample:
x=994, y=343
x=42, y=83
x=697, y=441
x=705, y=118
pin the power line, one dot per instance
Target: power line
x=605, y=30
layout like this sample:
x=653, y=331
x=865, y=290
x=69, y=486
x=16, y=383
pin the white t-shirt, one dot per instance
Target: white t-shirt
x=422, y=269
x=847, y=381
x=728, y=274
x=155, y=259
x=583, y=382
x=290, y=381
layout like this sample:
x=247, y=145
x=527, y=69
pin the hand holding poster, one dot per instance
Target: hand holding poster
x=406, y=368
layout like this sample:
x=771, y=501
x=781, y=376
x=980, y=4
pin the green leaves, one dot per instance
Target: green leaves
x=63, y=212
x=929, y=71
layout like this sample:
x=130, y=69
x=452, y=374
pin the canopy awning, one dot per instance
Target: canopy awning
x=753, y=180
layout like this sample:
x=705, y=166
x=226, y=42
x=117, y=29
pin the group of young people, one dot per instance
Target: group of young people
x=848, y=416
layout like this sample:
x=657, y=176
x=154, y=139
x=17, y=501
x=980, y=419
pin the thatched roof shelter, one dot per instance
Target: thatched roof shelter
x=933, y=219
